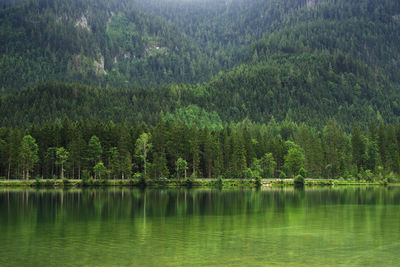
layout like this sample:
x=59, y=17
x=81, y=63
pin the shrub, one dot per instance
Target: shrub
x=258, y=181
x=391, y=178
x=85, y=175
x=49, y=182
x=248, y=174
x=369, y=176
x=303, y=172
x=299, y=181
x=66, y=182
x=131, y=181
x=37, y=182
x=282, y=175
x=141, y=178
x=220, y=182
x=189, y=182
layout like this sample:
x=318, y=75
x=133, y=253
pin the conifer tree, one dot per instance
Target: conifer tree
x=62, y=157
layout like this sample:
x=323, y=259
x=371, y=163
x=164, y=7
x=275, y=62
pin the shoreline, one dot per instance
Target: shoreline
x=175, y=183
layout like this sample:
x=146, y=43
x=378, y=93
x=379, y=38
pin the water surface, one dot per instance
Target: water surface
x=130, y=227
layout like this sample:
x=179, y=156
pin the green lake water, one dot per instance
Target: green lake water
x=349, y=226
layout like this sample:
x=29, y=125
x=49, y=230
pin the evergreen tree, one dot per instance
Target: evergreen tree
x=268, y=166
x=181, y=167
x=76, y=148
x=358, y=147
x=126, y=166
x=62, y=157
x=159, y=166
x=94, y=150
x=239, y=156
x=14, y=142
x=334, y=145
x=114, y=162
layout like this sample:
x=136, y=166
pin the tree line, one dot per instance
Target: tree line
x=84, y=150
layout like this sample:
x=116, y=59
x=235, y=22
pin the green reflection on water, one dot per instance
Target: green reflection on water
x=119, y=227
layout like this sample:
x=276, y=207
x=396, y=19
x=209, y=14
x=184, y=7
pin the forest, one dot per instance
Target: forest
x=171, y=89
x=96, y=150
x=134, y=43
x=306, y=88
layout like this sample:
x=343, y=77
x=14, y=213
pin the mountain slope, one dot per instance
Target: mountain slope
x=368, y=30
x=105, y=43
x=310, y=88
x=317, y=61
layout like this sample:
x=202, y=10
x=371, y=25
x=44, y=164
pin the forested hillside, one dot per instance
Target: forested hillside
x=123, y=43
x=368, y=30
x=301, y=61
x=304, y=88
x=94, y=42
x=241, y=88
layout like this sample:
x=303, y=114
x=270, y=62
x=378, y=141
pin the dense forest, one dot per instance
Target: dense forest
x=301, y=61
x=305, y=88
x=123, y=43
x=100, y=150
x=94, y=42
x=241, y=88
x=134, y=43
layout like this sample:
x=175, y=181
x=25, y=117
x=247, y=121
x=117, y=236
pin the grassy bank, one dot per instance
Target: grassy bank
x=175, y=183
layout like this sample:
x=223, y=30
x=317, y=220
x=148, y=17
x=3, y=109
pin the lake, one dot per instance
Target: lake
x=348, y=226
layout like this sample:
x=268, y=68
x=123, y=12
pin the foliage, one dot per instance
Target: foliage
x=98, y=42
x=294, y=161
x=62, y=157
x=299, y=180
x=100, y=170
x=303, y=172
x=94, y=150
x=268, y=165
x=241, y=150
x=181, y=167
x=282, y=59
x=194, y=115
x=142, y=147
x=28, y=155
